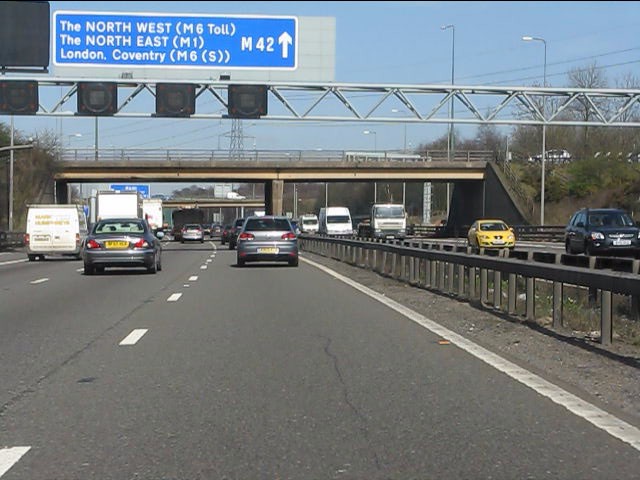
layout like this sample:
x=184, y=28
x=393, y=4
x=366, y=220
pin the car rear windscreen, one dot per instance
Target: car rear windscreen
x=267, y=224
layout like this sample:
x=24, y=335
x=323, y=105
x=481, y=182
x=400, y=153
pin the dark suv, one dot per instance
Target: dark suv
x=595, y=231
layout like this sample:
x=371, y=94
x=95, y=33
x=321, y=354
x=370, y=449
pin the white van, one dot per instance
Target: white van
x=335, y=221
x=55, y=230
x=308, y=223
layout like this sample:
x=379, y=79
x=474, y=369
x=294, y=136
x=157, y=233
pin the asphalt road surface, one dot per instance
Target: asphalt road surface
x=209, y=371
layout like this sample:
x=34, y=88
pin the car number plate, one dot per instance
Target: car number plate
x=268, y=250
x=116, y=244
x=622, y=242
x=498, y=242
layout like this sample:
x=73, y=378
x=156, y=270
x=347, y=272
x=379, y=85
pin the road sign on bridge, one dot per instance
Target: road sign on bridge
x=142, y=188
x=120, y=39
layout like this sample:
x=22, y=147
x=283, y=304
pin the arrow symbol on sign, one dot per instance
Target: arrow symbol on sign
x=285, y=40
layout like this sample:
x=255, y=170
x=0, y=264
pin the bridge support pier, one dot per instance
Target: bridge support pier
x=62, y=194
x=273, y=193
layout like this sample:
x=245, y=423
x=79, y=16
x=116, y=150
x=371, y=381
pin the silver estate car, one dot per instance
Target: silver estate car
x=121, y=242
x=267, y=239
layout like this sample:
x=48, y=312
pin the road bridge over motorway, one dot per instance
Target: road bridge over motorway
x=478, y=188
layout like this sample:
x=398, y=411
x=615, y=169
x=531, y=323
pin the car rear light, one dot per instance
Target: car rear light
x=246, y=236
x=91, y=244
x=77, y=239
x=288, y=236
x=142, y=243
x=26, y=239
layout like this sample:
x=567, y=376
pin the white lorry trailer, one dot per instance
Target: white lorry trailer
x=55, y=230
x=152, y=213
x=386, y=220
x=115, y=204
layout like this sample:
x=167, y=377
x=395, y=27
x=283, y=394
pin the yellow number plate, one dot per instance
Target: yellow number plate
x=268, y=250
x=116, y=244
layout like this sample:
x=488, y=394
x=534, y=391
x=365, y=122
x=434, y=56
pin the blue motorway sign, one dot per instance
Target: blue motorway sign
x=143, y=189
x=167, y=40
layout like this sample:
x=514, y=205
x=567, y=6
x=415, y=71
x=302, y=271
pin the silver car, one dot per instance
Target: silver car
x=192, y=231
x=267, y=239
x=121, y=242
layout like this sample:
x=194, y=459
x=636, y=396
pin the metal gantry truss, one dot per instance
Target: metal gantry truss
x=343, y=102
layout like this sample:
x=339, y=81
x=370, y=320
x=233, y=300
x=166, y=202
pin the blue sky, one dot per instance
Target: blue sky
x=394, y=43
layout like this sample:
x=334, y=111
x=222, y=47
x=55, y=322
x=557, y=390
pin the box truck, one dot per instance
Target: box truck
x=152, y=213
x=115, y=204
x=55, y=230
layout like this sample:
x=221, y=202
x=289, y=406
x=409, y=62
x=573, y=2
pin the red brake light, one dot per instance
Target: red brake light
x=142, y=243
x=26, y=238
x=246, y=236
x=288, y=236
x=92, y=244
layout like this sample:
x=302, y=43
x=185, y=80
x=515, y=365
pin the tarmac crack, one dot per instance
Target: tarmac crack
x=345, y=394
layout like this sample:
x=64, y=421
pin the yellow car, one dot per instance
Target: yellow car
x=491, y=234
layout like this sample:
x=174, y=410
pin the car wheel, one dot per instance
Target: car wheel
x=88, y=269
x=160, y=263
x=100, y=269
x=293, y=262
x=240, y=262
x=32, y=258
x=153, y=268
x=567, y=247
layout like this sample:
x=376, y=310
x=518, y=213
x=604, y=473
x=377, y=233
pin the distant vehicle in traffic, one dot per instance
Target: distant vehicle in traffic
x=267, y=239
x=122, y=242
x=192, y=231
x=335, y=221
x=488, y=233
x=308, y=223
x=599, y=231
x=224, y=234
x=553, y=156
x=235, y=196
x=234, y=232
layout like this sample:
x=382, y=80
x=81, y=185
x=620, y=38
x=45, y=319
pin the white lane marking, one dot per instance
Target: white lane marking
x=11, y=262
x=185, y=285
x=134, y=336
x=40, y=280
x=203, y=267
x=174, y=297
x=209, y=260
x=213, y=255
x=79, y=269
x=193, y=278
x=9, y=456
x=598, y=417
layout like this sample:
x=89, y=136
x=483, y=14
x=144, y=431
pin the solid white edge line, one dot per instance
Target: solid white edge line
x=9, y=456
x=134, y=336
x=40, y=280
x=596, y=416
x=193, y=278
x=174, y=297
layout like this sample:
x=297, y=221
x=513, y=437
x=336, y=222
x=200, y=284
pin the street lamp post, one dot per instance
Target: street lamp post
x=375, y=149
x=450, y=141
x=528, y=38
x=11, y=148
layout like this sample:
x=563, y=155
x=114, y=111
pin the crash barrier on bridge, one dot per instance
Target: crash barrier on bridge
x=456, y=271
x=539, y=233
x=201, y=155
x=11, y=239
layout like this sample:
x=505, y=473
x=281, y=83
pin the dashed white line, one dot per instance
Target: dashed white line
x=134, y=336
x=209, y=260
x=174, y=297
x=11, y=262
x=601, y=419
x=79, y=269
x=40, y=280
x=193, y=278
x=203, y=267
x=9, y=456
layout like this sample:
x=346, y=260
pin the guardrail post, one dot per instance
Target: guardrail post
x=635, y=307
x=461, y=281
x=426, y=263
x=403, y=267
x=531, y=299
x=472, y=283
x=497, y=289
x=512, y=294
x=557, y=304
x=593, y=292
x=383, y=263
x=441, y=275
x=359, y=256
x=412, y=270
x=606, y=332
x=450, y=276
x=484, y=286
x=394, y=265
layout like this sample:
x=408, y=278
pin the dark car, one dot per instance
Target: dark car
x=121, y=242
x=235, y=231
x=596, y=231
x=224, y=234
x=267, y=239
